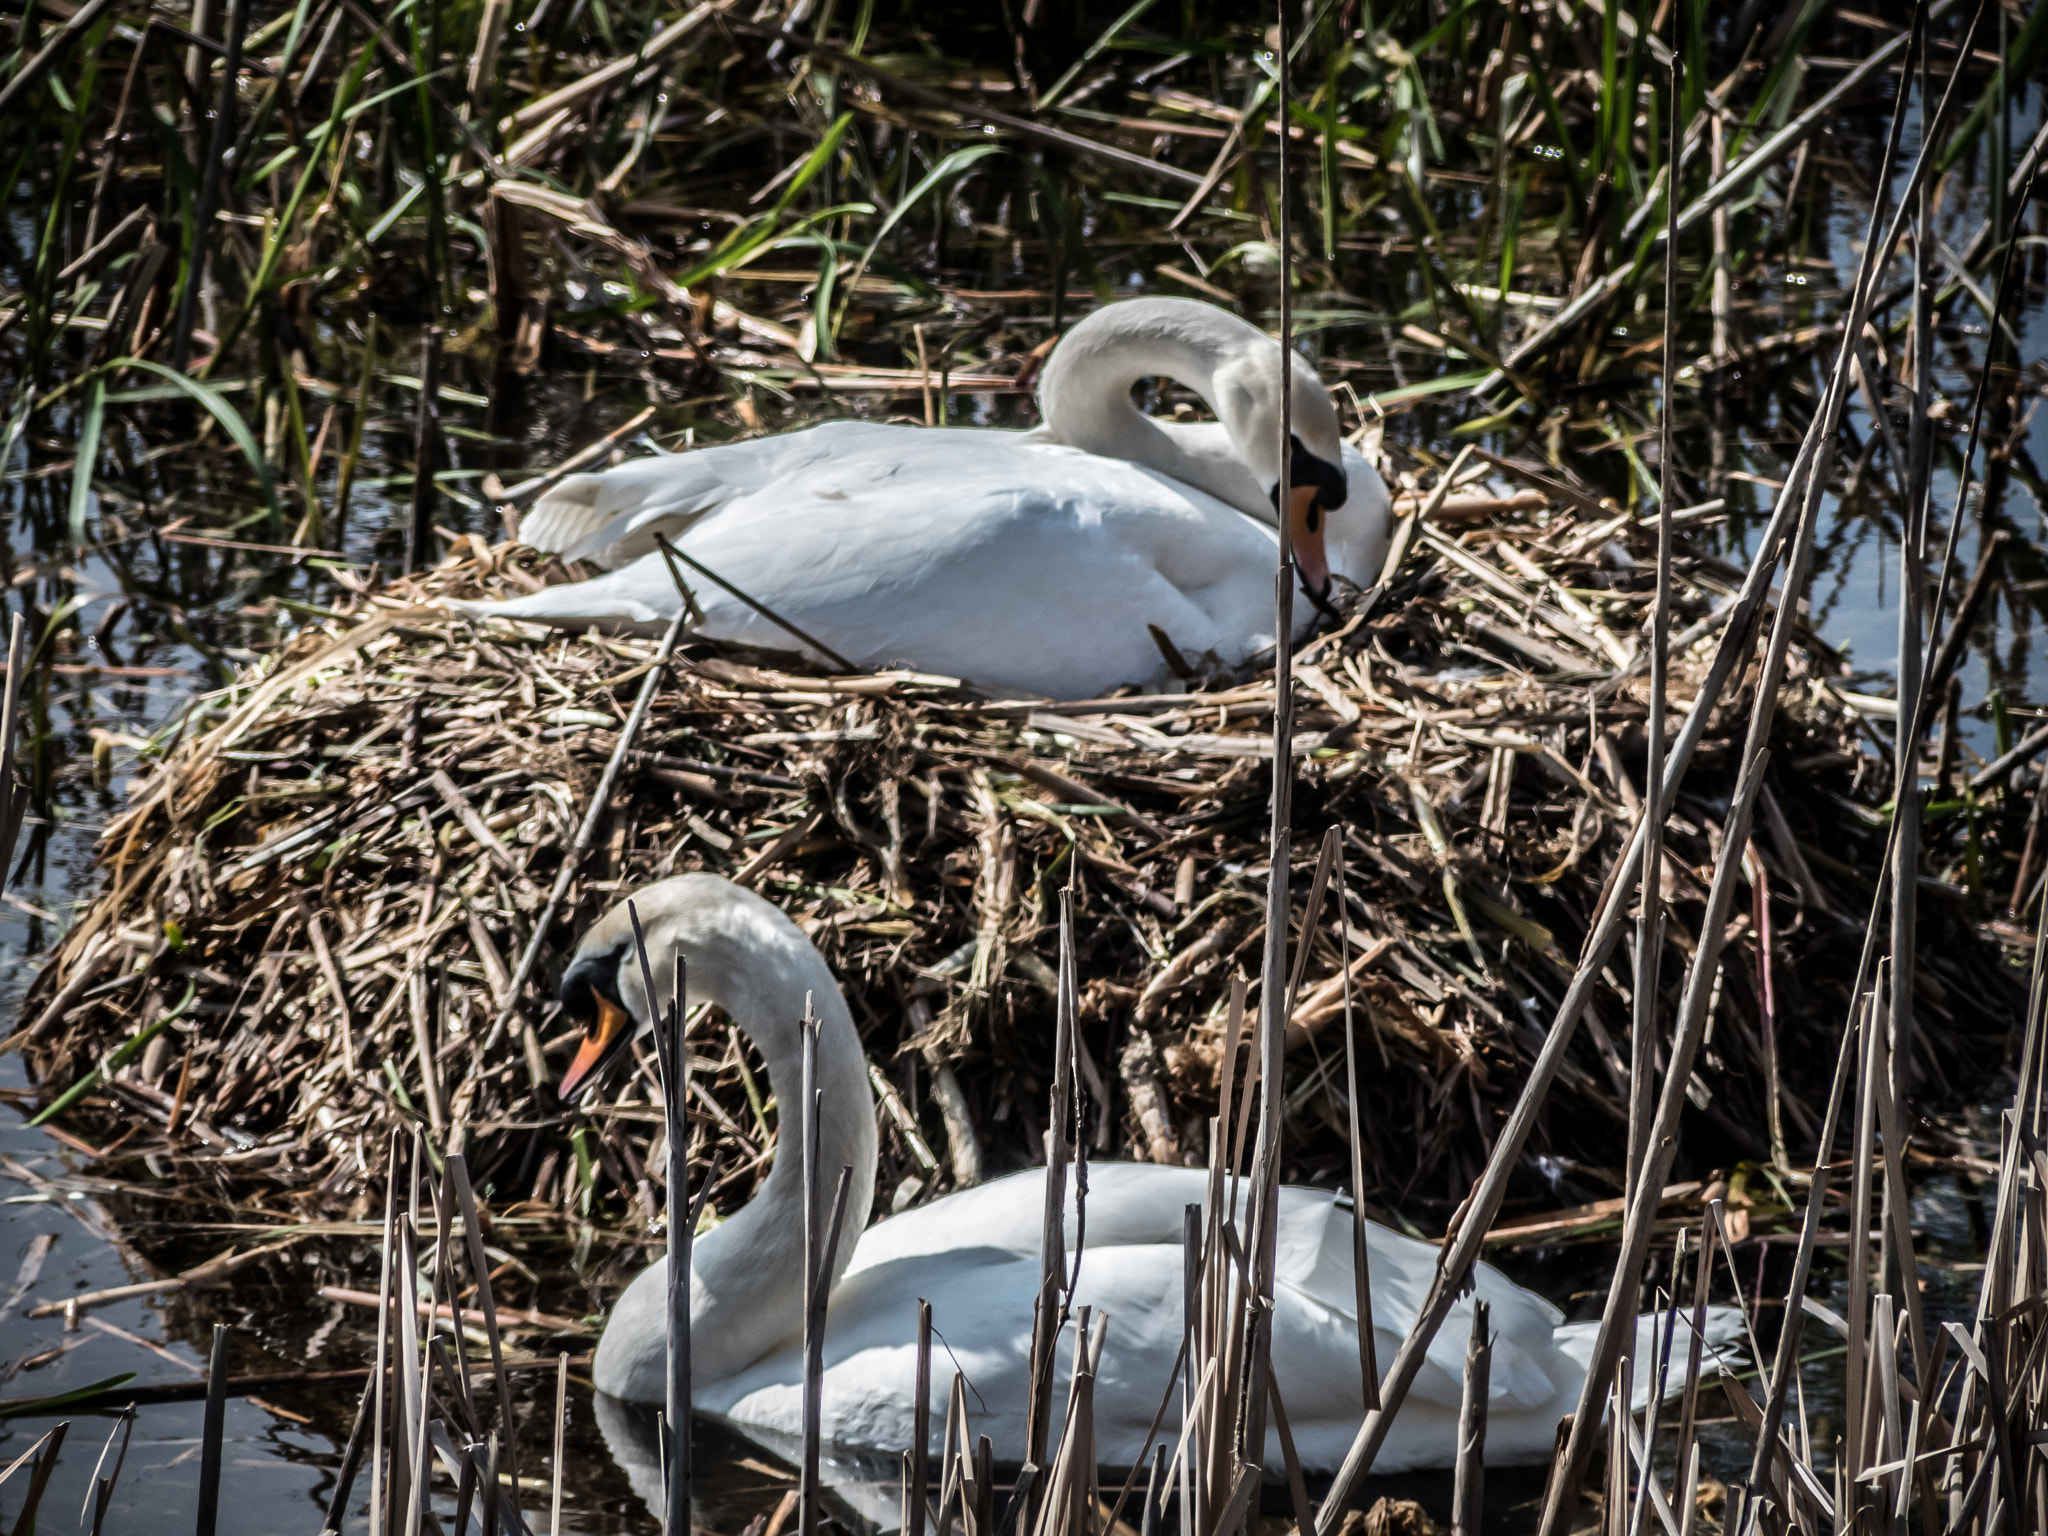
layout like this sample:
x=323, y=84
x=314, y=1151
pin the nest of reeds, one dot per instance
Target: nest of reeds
x=312, y=913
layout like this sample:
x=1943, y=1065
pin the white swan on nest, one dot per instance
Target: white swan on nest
x=1019, y=561
x=974, y=1255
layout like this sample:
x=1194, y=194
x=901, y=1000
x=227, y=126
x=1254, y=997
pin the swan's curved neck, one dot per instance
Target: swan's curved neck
x=1085, y=395
x=747, y=1273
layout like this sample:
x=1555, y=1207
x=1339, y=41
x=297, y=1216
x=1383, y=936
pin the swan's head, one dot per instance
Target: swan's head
x=1084, y=395
x=1246, y=398
x=737, y=949
x=590, y=991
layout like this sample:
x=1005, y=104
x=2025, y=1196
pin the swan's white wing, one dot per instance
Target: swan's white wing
x=612, y=517
x=1016, y=565
x=974, y=1257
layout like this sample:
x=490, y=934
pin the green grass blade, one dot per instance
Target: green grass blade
x=60, y=1400
x=815, y=162
x=88, y=456
x=1109, y=35
x=951, y=168
x=224, y=413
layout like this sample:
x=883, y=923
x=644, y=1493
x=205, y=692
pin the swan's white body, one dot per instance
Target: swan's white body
x=1019, y=561
x=974, y=1257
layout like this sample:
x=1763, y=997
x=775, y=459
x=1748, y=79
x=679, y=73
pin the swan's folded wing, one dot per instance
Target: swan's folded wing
x=1531, y=1366
x=613, y=517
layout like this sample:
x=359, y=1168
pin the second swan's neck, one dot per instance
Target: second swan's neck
x=747, y=1273
x=1085, y=395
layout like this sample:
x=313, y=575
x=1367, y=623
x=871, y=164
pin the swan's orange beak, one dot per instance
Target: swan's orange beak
x=1305, y=530
x=606, y=1033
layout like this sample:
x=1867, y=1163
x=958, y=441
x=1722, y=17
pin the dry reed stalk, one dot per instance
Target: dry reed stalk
x=426, y=449
x=212, y=1434
x=1049, y=1310
x=821, y=1243
x=918, y=1481
x=681, y=1235
x=1263, y=1205
x=1468, y=1494
x=1650, y=911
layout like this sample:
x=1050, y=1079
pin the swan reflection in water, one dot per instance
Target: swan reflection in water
x=727, y=1486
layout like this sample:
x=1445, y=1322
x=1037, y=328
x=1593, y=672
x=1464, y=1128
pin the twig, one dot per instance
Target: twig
x=758, y=606
x=1468, y=1488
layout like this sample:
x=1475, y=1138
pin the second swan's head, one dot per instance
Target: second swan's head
x=739, y=949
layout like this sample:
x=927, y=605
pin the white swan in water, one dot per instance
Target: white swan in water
x=1020, y=561
x=974, y=1255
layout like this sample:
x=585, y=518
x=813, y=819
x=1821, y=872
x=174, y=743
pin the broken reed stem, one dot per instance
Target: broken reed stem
x=1361, y=1239
x=1049, y=1310
x=213, y=1433
x=1263, y=1204
x=675, y=1087
x=426, y=448
x=920, y=1427
x=380, y=1490
x=561, y=1433
x=821, y=1241
x=1468, y=1489
x=1870, y=1023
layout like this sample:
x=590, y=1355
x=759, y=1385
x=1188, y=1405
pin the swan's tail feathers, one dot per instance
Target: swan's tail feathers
x=613, y=518
x=605, y=602
x=1721, y=1347
x=565, y=518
